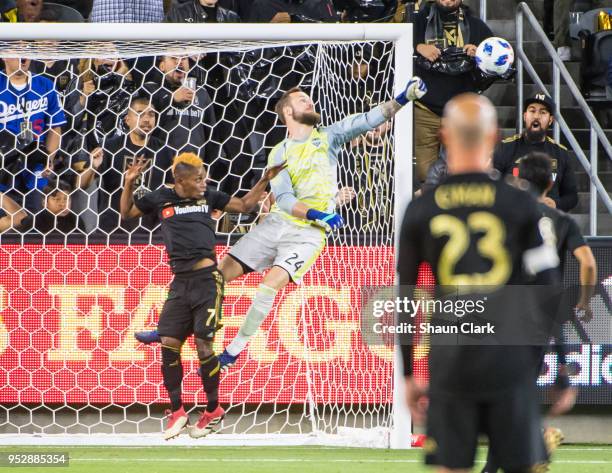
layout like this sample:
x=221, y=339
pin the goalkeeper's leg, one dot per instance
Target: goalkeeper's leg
x=276, y=279
x=294, y=255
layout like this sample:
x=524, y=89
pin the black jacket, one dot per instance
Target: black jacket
x=443, y=87
x=510, y=151
x=185, y=127
x=193, y=12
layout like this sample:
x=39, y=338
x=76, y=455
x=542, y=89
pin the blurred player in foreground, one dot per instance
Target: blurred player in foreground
x=536, y=169
x=196, y=293
x=470, y=233
x=292, y=236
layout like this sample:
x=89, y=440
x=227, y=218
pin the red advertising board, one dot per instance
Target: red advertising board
x=68, y=314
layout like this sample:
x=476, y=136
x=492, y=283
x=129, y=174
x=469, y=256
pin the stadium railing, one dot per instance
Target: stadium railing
x=597, y=136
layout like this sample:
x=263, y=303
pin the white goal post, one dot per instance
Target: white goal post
x=283, y=423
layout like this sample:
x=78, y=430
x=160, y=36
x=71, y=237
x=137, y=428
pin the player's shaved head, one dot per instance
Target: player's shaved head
x=469, y=132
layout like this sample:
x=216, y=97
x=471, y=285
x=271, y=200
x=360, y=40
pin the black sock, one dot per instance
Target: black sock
x=491, y=465
x=172, y=371
x=210, y=368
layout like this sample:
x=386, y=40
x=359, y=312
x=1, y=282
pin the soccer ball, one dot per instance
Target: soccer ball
x=494, y=56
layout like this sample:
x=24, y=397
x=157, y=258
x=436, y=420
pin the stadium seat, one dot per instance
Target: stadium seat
x=598, y=50
x=587, y=24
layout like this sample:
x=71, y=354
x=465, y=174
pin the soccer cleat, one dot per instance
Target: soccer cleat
x=147, y=337
x=552, y=438
x=176, y=421
x=207, y=422
x=227, y=361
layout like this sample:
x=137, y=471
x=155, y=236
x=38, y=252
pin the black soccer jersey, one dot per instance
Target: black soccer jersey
x=567, y=233
x=474, y=230
x=187, y=227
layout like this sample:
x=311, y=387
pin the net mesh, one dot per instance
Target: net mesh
x=76, y=281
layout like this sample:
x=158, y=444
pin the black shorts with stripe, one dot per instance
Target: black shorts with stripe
x=193, y=306
x=511, y=421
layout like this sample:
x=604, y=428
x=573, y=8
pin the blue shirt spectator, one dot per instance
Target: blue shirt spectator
x=34, y=101
x=127, y=11
x=30, y=128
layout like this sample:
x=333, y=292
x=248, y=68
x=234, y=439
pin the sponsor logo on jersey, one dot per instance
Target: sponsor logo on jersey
x=189, y=209
x=316, y=142
x=168, y=212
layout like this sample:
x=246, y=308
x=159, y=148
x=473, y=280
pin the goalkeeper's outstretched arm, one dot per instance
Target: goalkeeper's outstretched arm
x=355, y=125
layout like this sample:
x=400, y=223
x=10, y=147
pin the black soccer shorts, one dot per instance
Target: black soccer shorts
x=193, y=306
x=511, y=421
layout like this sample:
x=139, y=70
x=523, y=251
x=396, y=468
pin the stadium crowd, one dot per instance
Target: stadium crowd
x=70, y=128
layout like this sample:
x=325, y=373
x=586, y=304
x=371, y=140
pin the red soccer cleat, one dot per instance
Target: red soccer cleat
x=176, y=421
x=208, y=420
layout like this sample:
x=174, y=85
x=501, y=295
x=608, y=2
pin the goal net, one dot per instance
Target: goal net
x=76, y=282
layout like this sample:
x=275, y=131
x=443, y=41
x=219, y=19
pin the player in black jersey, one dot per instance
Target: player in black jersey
x=536, y=169
x=194, y=301
x=469, y=231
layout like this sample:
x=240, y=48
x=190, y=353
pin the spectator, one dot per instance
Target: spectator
x=241, y=7
x=8, y=11
x=30, y=129
x=82, y=6
x=286, y=11
x=186, y=114
x=110, y=162
x=447, y=23
x=99, y=100
x=364, y=11
x=201, y=11
x=29, y=11
x=561, y=18
x=537, y=118
x=56, y=216
x=11, y=214
x=60, y=72
x=127, y=11
x=609, y=87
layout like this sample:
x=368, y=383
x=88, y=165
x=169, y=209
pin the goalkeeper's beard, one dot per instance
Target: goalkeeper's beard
x=308, y=118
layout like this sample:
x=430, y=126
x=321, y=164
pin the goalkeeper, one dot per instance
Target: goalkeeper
x=292, y=237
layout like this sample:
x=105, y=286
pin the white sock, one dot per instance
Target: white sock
x=260, y=308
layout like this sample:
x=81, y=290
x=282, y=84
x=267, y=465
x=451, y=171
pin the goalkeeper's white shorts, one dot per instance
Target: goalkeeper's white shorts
x=279, y=242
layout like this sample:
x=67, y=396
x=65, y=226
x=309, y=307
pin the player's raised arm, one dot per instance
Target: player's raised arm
x=355, y=125
x=249, y=202
x=127, y=207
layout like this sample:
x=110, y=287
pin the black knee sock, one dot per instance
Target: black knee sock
x=172, y=371
x=210, y=380
x=491, y=465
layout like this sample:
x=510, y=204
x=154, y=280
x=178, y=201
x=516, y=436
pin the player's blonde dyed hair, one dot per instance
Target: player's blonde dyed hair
x=188, y=159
